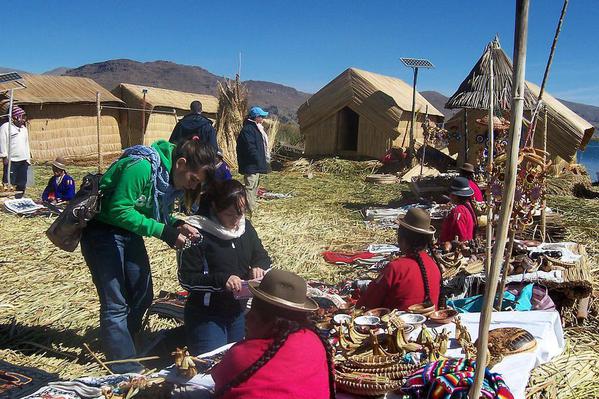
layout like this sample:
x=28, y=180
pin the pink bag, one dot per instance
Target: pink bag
x=540, y=296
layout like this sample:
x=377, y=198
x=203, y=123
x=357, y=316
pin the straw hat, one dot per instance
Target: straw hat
x=283, y=289
x=461, y=187
x=498, y=123
x=59, y=163
x=417, y=220
x=467, y=167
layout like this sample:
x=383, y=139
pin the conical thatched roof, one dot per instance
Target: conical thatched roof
x=474, y=91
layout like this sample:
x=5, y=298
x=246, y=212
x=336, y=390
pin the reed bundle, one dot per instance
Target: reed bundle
x=232, y=109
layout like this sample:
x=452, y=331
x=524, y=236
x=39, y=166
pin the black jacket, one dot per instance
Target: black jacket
x=250, y=150
x=223, y=258
x=194, y=125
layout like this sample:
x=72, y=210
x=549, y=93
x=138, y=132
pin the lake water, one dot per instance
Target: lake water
x=590, y=159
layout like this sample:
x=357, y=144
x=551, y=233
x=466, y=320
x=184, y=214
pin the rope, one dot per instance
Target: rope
x=558, y=29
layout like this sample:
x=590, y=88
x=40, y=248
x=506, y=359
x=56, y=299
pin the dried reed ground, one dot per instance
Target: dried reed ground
x=48, y=305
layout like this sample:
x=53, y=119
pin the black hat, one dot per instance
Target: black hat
x=461, y=187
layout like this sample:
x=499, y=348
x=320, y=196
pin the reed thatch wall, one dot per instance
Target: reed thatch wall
x=383, y=104
x=69, y=130
x=161, y=106
x=61, y=112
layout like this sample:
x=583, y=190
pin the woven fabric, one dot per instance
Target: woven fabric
x=16, y=382
x=451, y=379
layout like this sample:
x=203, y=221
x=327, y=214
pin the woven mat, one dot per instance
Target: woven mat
x=26, y=380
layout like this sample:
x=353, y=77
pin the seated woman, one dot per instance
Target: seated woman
x=214, y=270
x=414, y=277
x=61, y=186
x=460, y=224
x=282, y=355
x=467, y=171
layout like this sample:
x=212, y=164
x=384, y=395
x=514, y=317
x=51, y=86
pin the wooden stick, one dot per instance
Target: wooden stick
x=98, y=116
x=506, y=268
x=490, y=154
x=139, y=359
x=509, y=188
x=101, y=363
x=544, y=198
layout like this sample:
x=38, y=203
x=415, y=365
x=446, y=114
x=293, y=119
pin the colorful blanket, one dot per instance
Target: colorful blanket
x=451, y=379
x=16, y=382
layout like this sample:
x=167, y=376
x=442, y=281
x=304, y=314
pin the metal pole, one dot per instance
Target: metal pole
x=98, y=116
x=425, y=131
x=412, y=140
x=490, y=155
x=518, y=85
x=8, y=166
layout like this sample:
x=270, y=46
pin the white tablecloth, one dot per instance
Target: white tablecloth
x=545, y=326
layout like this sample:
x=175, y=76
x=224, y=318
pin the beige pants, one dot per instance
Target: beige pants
x=251, y=187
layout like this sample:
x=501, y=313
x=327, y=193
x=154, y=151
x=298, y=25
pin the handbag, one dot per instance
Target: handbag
x=66, y=230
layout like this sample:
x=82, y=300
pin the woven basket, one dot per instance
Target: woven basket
x=357, y=387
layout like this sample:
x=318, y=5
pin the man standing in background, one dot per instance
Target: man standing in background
x=195, y=124
x=20, y=155
x=252, y=152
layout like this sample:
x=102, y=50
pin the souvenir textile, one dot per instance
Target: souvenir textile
x=451, y=379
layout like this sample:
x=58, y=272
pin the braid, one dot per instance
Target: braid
x=330, y=353
x=435, y=257
x=427, y=291
x=285, y=328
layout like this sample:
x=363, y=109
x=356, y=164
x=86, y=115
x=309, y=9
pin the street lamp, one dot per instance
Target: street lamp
x=414, y=63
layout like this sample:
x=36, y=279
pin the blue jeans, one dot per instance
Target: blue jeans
x=120, y=269
x=206, y=332
x=18, y=175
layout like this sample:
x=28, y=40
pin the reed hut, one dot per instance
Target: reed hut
x=62, y=117
x=163, y=109
x=361, y=114
x=566, y=132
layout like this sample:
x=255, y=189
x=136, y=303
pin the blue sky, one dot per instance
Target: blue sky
x=305, y=44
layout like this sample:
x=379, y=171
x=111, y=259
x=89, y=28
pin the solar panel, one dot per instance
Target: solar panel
x=9, y=77
x=417, y=63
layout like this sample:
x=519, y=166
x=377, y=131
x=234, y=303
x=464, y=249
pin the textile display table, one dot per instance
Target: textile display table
x=545, y=326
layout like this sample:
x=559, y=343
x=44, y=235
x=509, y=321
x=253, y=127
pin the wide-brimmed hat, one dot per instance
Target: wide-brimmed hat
x=498, y=123
x=467, y=167
x=283, y=289
x=417, y=220
x=461, y=187
x=59, y=163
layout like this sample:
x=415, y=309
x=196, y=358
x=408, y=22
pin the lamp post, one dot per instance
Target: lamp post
x=415, y=64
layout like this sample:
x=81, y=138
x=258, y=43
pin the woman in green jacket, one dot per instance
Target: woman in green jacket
x=138, y=192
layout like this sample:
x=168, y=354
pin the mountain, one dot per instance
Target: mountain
x=6, y=70
x=57, y=71
x=438, y=100
x=276, y=98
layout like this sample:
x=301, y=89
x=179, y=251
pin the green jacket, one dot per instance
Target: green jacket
x=128, y=193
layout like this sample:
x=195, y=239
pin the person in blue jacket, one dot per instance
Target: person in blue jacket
x=252, y=152
x=195, y=124
x=61, y=186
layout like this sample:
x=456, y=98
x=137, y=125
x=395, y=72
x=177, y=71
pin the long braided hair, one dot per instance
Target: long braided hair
x=416, y=244
x=285, y=325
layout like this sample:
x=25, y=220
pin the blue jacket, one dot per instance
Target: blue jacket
x=250, y=150
x=194, y=125
x=65, y=191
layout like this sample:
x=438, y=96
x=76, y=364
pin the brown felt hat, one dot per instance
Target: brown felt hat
x=283, y=289
x=467, y=167
x=417, y=220
x=59, y=163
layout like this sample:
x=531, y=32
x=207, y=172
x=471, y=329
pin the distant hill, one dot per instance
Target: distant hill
x=438, y=100
x=57, y=71
x=278, y=99
x=588, y=112
x=5, y=70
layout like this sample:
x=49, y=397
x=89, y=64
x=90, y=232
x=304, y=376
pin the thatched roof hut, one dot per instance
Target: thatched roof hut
x=361, y=114
x=163, y=109
x=567, y=132
x=473, y=92
x=61, y=112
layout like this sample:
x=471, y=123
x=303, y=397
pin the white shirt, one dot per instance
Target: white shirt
x=19, y=143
